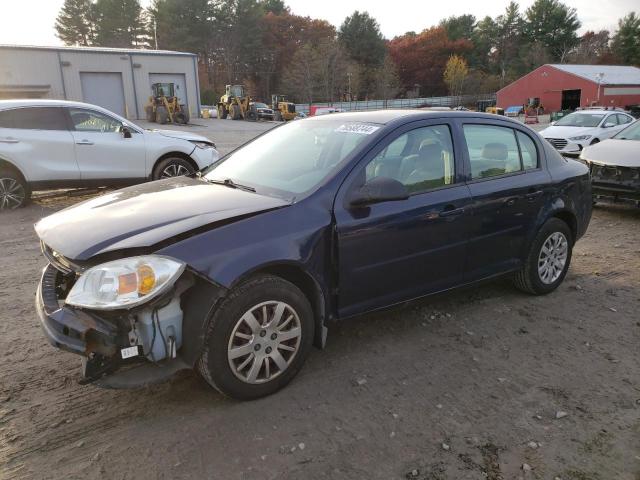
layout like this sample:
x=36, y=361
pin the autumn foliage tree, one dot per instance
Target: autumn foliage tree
x=421, y=58
x=455, y=72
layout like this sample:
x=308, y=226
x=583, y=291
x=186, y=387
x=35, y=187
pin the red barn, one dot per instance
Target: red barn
x=562, y=87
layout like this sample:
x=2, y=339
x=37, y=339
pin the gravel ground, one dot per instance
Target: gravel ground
x=482, y=383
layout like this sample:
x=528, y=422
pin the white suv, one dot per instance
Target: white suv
x=582, y=128
x=48, y=144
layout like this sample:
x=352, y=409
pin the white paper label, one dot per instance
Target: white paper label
x=361, y=128
x=129, y=352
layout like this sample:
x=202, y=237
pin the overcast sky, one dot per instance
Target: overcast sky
x=31, y=21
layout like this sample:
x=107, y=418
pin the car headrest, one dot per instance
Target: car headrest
x=80, y=117
x=430, y=150
x=495, y=151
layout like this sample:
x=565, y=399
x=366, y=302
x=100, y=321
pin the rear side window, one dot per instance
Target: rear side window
x=528, y=151
x=492, y=150
x=623, y=119
x=39, y=118
x=6, y=119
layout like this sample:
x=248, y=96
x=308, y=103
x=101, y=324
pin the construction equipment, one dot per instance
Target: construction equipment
x=495, y=110
x=283, y=110
x=236, y=104
x=163, y=105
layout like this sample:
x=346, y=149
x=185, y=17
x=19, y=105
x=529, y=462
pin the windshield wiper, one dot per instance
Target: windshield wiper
x=227, y=182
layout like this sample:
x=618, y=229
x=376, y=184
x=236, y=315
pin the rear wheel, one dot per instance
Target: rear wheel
x=278, y=116
x=172, y=167
x=162, y=115
x=14, y=192
x=258, y=338
x=149, y=113
x=222, y=112
x=548, y=260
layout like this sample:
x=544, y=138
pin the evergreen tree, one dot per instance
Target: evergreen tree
x=361, y=38
x=74, y=24
x=626, y=41
x=554, y=25
x=120, y=23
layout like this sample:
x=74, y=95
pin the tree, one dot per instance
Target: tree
x=74, y=24
x=508, y=42
x=421, y=59
x=361, y=38
x=554, y=25
x=277, y=7
x=626, y=41
x=183, y=25
x=455, y=73
x=461, y=27
x=120, y=23
x=592, y=48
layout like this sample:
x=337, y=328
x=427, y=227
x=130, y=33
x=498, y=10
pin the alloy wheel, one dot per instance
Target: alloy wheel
x=264, y=342
x=553, y=257
x=12, y=193
x=174, y=170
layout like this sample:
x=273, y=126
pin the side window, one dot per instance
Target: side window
x=39, y=118
x=92, y=121
x=421, y=159
x=492, y=150
x=610, y=121
x=6, y=119
x=528, y=151
x=623, y=119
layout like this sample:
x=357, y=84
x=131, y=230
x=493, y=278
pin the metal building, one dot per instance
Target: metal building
x=566, y=87
x=114, y=78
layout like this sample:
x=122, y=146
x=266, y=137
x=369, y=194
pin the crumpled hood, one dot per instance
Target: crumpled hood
x=179, y=134
x=145, y=215
x=566, y=132
x=621, y=153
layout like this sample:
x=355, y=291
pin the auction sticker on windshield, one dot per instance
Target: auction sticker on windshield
x=361, y=128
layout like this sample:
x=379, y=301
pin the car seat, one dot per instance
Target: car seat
x=426, y=169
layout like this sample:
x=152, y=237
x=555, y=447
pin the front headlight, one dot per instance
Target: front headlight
x=124, y=283
x=580, y=137
x=203, y=145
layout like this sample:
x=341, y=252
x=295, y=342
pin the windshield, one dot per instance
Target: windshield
x=632, y=132
x=294, y=158
x=580, y=120
x=260, y=105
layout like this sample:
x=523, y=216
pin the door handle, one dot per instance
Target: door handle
x=451, y=211
x=9, y=140
x=84, y=142
x=510, y=202
x=533, y=195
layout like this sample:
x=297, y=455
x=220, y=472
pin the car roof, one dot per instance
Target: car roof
x=598, y=110
x=407, y=115
x=43, y=102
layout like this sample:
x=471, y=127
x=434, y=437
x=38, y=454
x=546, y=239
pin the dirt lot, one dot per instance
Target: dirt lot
x=469, y=385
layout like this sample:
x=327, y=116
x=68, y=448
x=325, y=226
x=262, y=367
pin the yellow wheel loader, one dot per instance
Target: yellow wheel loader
x=163, y=105
x=236, y=104
x=282, y=110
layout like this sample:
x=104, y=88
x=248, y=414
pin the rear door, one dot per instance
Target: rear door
x=102, y=150
x=393, y=251
x=508, y=187
x=38, y=141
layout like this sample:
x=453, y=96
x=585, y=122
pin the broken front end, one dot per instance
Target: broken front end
x=134, y=320
x=617, y=183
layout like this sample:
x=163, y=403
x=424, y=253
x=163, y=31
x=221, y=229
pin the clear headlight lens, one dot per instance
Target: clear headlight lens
x=203, y=145
x=580, y=137
x=124, y=283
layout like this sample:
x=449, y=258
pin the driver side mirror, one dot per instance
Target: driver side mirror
x=552, y=123
x=609, y=125
x=126, y=131
x=379, y=189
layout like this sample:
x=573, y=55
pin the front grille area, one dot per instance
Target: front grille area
x=558, y=143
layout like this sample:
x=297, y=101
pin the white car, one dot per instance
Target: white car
x=582, y=128
x=48, y=144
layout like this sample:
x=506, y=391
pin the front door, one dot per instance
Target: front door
x=508, y=188
x=102, y=150
x=393, y=251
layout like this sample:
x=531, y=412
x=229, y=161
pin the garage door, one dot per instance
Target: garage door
x=178, y=80
x=104, y=89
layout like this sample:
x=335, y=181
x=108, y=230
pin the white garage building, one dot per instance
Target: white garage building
x=117, y=79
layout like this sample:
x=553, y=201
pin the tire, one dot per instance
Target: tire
x=172, y=167
x=186, y=115
x=222, y=112
x=278, y=117
x=14, y=192
x=162, y=115
x=236, y=114
x=179, y=117
x=149, y=113
x=252, y=116
x=228, y=375
x=594, y=141
x=530, y=279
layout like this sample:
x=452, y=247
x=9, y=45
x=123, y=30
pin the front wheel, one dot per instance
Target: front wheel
x=548, y=260
x=258, y=338
x=172, y=167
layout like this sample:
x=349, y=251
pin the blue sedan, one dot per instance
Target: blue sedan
x=236, y=271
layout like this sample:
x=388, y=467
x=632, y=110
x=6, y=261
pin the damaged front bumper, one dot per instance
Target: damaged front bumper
x=99, y=339
x=619, y=184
